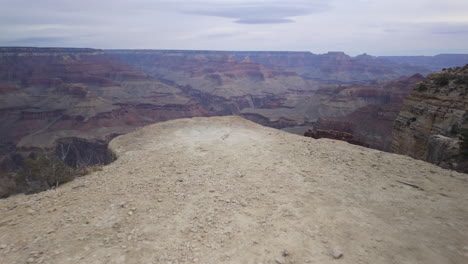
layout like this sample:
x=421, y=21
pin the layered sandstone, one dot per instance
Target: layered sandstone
x=54, y=98
x=51, y=96
x=433, y=122
x=366, y=112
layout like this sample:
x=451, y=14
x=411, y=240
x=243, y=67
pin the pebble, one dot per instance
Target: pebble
x=280, y=260
x=30, y=260
x=3, y=246
x=285, y=253
x=130, y=213
x=336, y=253
x=160, y=200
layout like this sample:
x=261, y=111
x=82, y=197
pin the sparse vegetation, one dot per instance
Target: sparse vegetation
x=464, y=144
x=421, y=87
x=455, y=129
x=461, y=80
x=111, y=156
x=441, y=80
x=45, y=169
x=48, y=170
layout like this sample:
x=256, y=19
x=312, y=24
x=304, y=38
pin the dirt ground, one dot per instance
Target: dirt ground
x=226, y=190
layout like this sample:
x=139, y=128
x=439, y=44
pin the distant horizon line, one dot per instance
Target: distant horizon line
x=214, y=51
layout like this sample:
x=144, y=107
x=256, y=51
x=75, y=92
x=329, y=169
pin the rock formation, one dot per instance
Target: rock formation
x=366, y=112
x=433, y=63
x=79, y=99
x=433, y=122
x=51, y=97
x=226, y=190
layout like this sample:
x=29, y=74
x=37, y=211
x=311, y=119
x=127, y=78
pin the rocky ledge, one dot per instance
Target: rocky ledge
x=226, y=190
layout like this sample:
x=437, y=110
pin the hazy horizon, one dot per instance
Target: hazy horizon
x=378, y=28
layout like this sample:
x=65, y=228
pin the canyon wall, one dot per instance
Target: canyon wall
x=366, y=112
x=53, y=98
x=433, y=122
x=73, y=101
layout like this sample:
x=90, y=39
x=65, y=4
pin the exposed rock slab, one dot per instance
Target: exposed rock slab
x=226, y=190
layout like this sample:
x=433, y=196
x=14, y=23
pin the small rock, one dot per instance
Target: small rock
x=31, y=211
x=285, y=253
x=280, y=260
x=30, y=260
x=3, y=246
x=160, y=200
x=336, y=253
x=130, y=213
x=50, y=231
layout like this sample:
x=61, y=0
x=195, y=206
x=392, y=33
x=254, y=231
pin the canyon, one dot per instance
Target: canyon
x=72, y=102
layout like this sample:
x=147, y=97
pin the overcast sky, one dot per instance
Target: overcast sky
x=377, y=27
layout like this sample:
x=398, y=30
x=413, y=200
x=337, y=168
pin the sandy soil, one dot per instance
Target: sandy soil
x=225, y=190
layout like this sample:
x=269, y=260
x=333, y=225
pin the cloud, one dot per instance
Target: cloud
x=264, y=20
x=258, y=12
x=35, y=41
x=448, y=28
x=376, y=27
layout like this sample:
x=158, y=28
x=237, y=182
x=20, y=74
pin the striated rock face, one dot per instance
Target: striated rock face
x=233, y=76
x=366, y=112
x=433, y=122
x=337, y=67
x=334, y=134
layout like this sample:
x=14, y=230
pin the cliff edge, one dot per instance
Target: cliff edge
x=226, y=190
x=433, y=121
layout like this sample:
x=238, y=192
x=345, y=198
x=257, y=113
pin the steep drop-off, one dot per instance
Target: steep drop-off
x=366, y=112
x=226, y=190
x=49, y=96
x=433, y=122
x=73, y=101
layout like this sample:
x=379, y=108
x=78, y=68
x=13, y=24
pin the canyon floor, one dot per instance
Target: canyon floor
x=226, y=190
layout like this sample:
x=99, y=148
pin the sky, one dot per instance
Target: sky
x=376, y=27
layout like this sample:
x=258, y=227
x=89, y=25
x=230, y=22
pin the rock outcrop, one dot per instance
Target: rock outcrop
x=366, y=112
x=226, y=190
x=433, y=122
